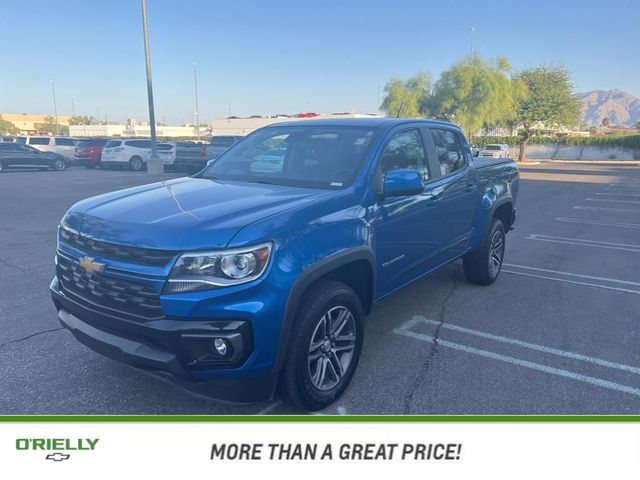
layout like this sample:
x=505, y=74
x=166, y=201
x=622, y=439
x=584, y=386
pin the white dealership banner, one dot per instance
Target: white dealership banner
x=319, y=450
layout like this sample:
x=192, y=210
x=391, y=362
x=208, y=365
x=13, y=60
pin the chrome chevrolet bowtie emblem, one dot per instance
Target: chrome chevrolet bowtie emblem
x=58, y=457
x=90, y=266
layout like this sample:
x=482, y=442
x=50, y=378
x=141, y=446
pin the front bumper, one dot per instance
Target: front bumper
x=172, y=349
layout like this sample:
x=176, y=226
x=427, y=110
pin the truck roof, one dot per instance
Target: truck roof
x=373, y=122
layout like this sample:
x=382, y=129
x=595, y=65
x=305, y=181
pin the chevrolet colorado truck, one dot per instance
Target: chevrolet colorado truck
x=255, y=276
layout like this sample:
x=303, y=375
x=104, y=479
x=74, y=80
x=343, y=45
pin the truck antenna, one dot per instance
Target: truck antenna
x=400, y=108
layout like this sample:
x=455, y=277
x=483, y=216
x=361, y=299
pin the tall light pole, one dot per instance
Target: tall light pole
x=473, y=34
x=73, y=108
x=153, y=165
x=98, y=114
x=55, y=107
x=195, y=81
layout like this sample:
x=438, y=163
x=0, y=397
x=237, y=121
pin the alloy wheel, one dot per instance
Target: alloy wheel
x=331, y=348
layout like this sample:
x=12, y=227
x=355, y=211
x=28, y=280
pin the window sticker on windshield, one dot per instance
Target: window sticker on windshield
x=336, y=184
x=362, y=141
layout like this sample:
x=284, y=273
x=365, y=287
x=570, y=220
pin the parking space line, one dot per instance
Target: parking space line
x=610, y=200
x=269, y=408
x=619, y=194
x=531, y=346
x=403, y=330
x=589, y=277
x=584, y=243
x=573, y=282
x=604, y=209
x=593, y=222
x=625, y=185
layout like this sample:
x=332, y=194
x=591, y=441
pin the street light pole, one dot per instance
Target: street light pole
x=473, y=34
x=195, y=81
x=153, y=165
x=73, y=108
x=55, y=107
x=98, y=114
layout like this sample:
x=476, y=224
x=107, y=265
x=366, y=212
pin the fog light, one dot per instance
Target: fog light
x=220, y=346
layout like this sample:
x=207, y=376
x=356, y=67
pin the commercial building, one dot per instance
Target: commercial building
x=32, y=124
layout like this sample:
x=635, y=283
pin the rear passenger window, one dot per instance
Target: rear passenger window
x=39, y=141
x=65, y=142
x=448, y=149
x=405, y=150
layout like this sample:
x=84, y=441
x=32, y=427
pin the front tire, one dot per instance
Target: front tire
x=483, y=267
x=324, y=347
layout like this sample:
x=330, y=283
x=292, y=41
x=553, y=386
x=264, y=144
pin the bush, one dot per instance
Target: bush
x=605, y=141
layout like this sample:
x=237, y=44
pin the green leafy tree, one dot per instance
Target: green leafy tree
x=50, y=126
x=637, y=125
x=81, y=120
x=8, y=128
x=550, y=101
x=407, y=98
x=477, y=93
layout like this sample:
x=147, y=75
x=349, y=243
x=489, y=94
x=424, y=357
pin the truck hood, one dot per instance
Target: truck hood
x=182, y=214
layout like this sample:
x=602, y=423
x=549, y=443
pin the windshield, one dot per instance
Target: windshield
x=113, y=143
x=305, y=156
x=493, y=147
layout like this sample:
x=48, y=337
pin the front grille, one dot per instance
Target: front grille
x=141, y=256
x=135, y=297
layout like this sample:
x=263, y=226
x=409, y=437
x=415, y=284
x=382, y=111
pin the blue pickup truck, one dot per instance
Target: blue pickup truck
x=255, y=275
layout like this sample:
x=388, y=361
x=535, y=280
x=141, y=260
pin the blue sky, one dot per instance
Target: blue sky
x=284, y=56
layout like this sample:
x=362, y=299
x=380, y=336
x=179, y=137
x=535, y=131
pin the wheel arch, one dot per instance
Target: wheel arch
x=354, y=267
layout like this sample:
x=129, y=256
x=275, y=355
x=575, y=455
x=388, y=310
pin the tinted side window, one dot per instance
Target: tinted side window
x=39, y=141
x=449, y=150
x=138, y=143
x=7, y=147
x=65, y=142
x=405, y=150
x=113, y=143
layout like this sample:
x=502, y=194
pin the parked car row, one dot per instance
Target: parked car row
x=59, y=152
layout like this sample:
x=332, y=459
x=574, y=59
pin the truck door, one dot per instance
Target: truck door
x=406, y=230
x=459, y=198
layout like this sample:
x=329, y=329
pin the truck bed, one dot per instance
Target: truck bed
x=484, y=162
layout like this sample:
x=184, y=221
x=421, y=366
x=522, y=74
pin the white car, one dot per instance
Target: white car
x=65, y=146
x=495, y=150
x=135, y=154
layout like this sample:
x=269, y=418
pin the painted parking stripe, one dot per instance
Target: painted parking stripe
x=605, y=209
x=619, y=194
x=520, y=343
x=521, y=363
x=584, y=243
x=568, y=274
x=573, y=282
x=594, y=222
x=610, y=200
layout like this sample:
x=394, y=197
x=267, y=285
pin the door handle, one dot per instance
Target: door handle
x=470, y=187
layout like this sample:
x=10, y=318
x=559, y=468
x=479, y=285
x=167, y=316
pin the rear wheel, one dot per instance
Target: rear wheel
x=135, y=164
x=59, y=165
x=324, y=347
x=483, y=267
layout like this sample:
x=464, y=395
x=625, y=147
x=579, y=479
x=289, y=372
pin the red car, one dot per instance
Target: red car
x=89, y=151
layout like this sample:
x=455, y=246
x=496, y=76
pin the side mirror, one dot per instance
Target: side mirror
x=402, y=182
x=209, y=162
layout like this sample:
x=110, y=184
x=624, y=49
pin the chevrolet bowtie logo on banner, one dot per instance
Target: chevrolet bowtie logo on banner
x=58, y=457
x=90, y=266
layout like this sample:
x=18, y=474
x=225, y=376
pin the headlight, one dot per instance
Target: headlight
x=223, y=268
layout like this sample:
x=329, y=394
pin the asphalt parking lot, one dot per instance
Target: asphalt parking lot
x=559, y=332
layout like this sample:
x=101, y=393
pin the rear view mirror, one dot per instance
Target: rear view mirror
x=402, y=182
